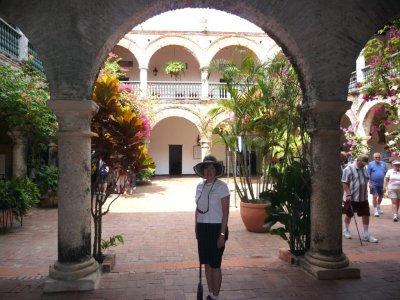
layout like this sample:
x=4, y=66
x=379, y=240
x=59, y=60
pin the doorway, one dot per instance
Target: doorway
x=175, y=159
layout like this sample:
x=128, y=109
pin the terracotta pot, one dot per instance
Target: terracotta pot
x=253, y=216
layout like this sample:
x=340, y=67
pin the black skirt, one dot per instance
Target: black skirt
x=207, y=238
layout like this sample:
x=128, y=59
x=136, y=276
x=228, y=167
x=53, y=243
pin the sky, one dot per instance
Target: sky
x=196, y=19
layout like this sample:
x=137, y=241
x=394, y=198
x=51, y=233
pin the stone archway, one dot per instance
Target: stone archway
x=73, y=41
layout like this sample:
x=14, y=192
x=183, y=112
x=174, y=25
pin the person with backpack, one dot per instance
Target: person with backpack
x=355, y=183
x=103, y=177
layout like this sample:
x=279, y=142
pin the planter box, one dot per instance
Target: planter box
x=108, y=262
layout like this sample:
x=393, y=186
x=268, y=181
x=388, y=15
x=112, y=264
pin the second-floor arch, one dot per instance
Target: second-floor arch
x=242, y=41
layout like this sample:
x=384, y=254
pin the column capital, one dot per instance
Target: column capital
x=18, y=136
x=325, y=115
x=73, y=115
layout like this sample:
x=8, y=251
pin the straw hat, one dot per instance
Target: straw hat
x=209, y=159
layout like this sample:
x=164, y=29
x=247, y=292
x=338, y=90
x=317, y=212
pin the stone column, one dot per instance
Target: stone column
x=325, y=258
x=75, y=269
x=52, y=159
x=19, y=168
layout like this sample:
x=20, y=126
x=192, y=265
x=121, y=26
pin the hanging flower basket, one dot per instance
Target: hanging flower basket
x=174, y=68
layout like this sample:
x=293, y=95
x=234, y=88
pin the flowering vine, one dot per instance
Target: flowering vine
x=354, y=142
x=384, y=82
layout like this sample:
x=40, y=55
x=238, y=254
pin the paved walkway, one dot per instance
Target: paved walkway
x=159, y=259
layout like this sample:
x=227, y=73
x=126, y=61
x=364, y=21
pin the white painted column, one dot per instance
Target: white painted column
x=360, y=65
x=204, y=83
x=22, y=46
x=205, y=147
x=143, y=81
x=75, y=268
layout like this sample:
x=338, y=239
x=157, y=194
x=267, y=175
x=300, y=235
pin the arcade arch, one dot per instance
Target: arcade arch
x=83, y=42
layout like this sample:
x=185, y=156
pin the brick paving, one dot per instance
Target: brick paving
x=159, y=258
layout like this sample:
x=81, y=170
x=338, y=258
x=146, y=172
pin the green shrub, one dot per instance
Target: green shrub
x=145, y=174
x=18, y=196
x=47, y=179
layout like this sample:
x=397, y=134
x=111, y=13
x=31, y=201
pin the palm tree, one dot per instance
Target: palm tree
x=264, y=118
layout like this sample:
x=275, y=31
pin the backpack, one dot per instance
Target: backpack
x=103, y=170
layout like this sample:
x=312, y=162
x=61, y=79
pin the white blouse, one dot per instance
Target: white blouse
x=394, y=180
x=208, y=200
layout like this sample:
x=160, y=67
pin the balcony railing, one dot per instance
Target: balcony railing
x=174, y=90
x=183, y=90
x=9, y=40
x=36, y=63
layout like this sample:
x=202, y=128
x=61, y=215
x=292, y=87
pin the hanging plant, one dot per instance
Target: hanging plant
x=174, y=68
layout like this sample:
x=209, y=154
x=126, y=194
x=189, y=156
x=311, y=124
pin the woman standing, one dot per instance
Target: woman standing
x=211, y=221
x=392, y=184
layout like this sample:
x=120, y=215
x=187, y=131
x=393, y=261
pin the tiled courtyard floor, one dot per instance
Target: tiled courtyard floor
x=159, y=258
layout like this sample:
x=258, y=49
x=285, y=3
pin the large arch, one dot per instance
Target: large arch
x=164, y=41
x=321, y=38
x=237, y=40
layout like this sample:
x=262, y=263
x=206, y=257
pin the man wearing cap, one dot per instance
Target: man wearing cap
x=392, y=185
x=377, y=170
x=211, y=221
x=355, y=182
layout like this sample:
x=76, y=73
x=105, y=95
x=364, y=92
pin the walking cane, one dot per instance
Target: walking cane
x=200, y=287
x=355, y=222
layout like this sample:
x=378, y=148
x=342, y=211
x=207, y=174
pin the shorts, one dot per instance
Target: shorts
x=361, y=208
x=207, y=237
x=102, y=179
x=394, y=194
x=376, y=190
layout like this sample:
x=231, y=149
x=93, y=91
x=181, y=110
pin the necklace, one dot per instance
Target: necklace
x=208, y=197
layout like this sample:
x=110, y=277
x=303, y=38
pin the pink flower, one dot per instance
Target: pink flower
x=374, y=129
x=387, y=123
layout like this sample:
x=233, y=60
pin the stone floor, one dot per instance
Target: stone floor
x=159, y=259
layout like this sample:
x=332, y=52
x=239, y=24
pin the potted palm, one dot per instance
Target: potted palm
x=264, y=99
x=174, y=68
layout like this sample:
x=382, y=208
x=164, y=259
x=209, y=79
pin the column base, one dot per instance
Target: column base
x=328, y=268
x=73, y=277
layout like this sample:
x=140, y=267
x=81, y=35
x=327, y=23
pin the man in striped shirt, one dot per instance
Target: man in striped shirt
x=355, y=182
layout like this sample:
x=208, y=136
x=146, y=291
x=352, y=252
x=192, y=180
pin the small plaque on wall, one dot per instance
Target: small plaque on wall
x=196, y=152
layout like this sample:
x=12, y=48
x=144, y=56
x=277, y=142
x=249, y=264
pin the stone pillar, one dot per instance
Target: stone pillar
x=143, y=81
x=75, y=269
x=325, y=258
x=19, y=168
x=52, y=159
x=204, y=83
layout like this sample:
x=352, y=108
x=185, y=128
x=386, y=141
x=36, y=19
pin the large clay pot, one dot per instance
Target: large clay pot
x=253, y=216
